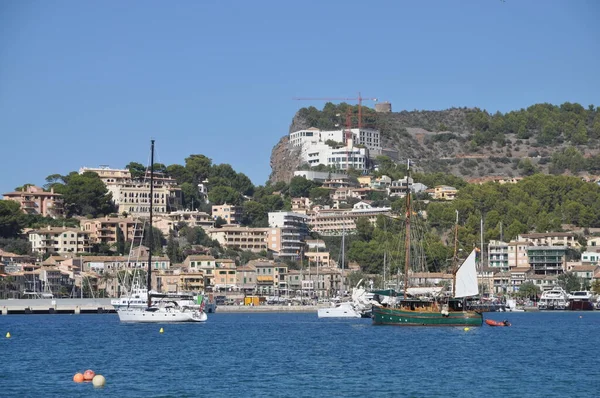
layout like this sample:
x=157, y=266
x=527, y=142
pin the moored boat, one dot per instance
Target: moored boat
x=146, y=305
x=429, y=310
x=581, y=300
x=554, y=299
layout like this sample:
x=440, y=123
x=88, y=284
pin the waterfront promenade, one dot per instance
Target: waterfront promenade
x=102, y=306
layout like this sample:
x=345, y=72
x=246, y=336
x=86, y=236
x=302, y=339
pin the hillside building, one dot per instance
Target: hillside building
x=287, y=231
x=59, y=240
x=132, y=196
x=34, y=200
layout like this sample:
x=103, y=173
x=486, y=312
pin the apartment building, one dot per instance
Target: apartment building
x=132, y=196
x=225, y=275
x=112, y=178
x=242, y=238
x=192, y=281
x=113, y=264
x=270, y=277
x=301, y=205
x=497, y=255
x=319, y=281
x=231, y=214
x=106, y=229
x=312, y=137
x=518, y=254
x=205, y=264
x=551, y=239
x=547, y=260
x=34, y=200
x=333, y=222
x=59, y=240
x=246, y=278
x=191, y=218
x=286, y=233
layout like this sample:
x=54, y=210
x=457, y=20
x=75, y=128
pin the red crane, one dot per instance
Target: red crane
x=359, y=99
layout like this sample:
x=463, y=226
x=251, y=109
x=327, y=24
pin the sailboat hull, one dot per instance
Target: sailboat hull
x=159, y=316
x=401, y=317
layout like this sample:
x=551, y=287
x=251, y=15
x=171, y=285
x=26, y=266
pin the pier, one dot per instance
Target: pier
x=103, y=306
x=56, y=306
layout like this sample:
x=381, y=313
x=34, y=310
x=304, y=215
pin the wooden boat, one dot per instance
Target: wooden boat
x=491, y=322
x=414, y=310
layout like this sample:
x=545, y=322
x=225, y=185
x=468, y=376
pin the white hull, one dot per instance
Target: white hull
x=159, y=315
x=344, y=310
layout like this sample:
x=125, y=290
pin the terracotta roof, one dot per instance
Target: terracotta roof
x=584, y=268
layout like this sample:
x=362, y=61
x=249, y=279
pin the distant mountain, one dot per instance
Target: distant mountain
x=469, y=142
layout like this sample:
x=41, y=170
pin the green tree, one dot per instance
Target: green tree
x=15, y=245
x=85, y=194
x=173, y=250
x=243, y=184
x=320, y=196
x=190, y=196
x=221, y=195
x=596, y=287
x=528, y=290
x=300, y=187
x=199, y=167
x=526, y=167
x=180, y=174
x=255, y=214
x=52, y=180
x=570, y=282
x=364, y=229
x=136, y=169
x=158, y=241
x=11, y=219
x=120, y=241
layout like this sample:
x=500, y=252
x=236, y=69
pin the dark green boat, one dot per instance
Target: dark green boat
x=424, y=314
x=412, y=309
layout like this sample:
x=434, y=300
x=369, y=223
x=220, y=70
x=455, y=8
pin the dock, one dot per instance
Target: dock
x=103, y=306
x=56, y=306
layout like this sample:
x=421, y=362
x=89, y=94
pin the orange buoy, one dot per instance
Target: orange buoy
x=88, y=375
x=78, y=378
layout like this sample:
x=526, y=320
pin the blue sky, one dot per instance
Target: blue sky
x=88, y=83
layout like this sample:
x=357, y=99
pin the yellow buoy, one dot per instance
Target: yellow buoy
x=161, y=330
x=467, y=329
x=8, y=335
x=98, y=381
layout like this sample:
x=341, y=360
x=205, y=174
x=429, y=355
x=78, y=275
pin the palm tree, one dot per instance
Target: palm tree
x=528, y=290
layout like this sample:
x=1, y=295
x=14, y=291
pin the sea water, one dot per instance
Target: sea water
x=550, y=354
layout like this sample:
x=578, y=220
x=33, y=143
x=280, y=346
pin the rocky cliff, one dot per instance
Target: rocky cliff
x=466, y=142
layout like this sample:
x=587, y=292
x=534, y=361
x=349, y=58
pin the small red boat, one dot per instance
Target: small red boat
x=491, y=322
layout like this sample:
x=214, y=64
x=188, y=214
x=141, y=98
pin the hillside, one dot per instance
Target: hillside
x=469, y=142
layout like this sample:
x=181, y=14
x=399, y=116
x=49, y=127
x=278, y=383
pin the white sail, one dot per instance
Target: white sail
x=466, y=278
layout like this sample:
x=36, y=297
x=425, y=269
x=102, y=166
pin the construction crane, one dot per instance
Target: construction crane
x=360, y=99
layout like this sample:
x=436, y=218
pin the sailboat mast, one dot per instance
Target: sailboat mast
x=455, y=259
x=481, y=263
x=150, y=237
x=343, y=259
x=407, y=237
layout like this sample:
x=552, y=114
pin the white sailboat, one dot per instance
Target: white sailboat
x=146, y=305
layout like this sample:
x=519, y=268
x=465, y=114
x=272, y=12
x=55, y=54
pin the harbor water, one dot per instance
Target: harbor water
x=545, y=354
